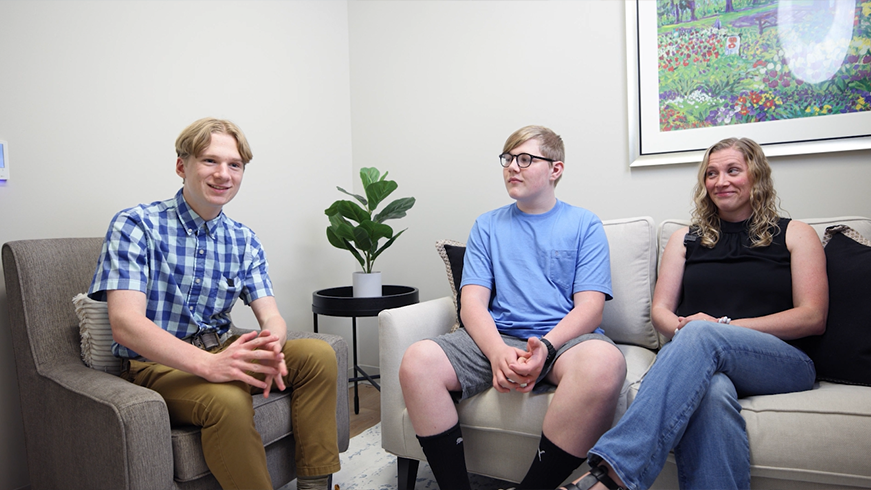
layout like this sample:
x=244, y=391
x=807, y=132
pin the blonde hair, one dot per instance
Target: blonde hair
x=194, y=139
x=550, y=143
x=763, y=198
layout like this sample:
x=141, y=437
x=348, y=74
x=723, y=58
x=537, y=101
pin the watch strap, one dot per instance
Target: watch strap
x=551, y=353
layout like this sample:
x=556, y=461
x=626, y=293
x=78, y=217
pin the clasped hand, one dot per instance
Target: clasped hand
x=254, y=352
x=683, y=320
x=518, y=369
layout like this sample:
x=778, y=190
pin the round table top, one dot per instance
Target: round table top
x=341, y=302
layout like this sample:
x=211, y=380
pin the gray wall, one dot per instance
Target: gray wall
x=93, y=94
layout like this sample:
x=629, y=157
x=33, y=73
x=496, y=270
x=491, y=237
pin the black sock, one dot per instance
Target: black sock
x=550, y=467
x=445, y=455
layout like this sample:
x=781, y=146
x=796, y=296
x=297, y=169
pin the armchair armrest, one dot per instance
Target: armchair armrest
x=124, y=426
x=398, y=329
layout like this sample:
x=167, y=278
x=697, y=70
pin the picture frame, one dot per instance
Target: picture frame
x=649, y=146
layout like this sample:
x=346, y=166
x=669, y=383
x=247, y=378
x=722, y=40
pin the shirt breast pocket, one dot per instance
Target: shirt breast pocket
x=561, y=267
x=228, y=291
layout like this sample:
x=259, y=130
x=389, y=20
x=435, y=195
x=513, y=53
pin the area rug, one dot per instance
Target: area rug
x=365, y=466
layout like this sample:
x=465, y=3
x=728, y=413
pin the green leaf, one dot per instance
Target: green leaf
x=341, y=227
x=343, y=244
x=335, y=240
x=377, y=191
x=376, y=230
x=369, y=175
x=359, y=257
x=362, y=239
x=387, y=244
x=349, y=210
x=394, y=210
x=355, y=196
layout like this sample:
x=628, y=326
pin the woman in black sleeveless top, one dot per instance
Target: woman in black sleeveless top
x=734, y=290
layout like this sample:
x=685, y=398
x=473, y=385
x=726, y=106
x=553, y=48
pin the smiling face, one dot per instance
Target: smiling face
x=212, y=178
x=729, y=184
x=532, y=187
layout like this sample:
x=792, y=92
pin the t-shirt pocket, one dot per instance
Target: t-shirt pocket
x=561, y=267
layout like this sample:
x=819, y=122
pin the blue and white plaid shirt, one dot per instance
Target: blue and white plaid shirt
x=191, y=271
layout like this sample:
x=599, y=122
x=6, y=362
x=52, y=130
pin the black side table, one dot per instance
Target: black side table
x=341, y=302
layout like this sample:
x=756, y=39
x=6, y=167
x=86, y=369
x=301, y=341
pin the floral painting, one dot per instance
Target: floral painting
x=734, y=62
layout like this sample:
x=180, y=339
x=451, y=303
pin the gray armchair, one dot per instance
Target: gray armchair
x=91, y=430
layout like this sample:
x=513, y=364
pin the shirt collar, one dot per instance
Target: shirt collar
x=191, y=220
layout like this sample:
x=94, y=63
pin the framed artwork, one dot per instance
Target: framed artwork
x=793, y=75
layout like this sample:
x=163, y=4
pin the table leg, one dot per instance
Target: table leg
x=356, y=369
x=315, y=322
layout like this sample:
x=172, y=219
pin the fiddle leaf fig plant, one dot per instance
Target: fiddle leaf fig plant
x=354, y=228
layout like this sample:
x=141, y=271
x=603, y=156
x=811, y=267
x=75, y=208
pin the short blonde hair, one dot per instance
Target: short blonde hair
x=551, y=144
x=194, y=139
x=763, y=197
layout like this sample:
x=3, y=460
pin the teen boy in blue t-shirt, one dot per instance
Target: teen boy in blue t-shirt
x=536, y=277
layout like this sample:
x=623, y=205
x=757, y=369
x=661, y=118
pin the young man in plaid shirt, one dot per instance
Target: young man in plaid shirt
x=171, y=272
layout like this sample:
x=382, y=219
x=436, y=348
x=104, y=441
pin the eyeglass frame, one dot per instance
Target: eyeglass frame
x=517, y=157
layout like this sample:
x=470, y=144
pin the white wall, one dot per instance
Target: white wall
x=93, y=94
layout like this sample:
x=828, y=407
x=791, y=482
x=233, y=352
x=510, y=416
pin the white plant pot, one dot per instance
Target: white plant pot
x=367, y=284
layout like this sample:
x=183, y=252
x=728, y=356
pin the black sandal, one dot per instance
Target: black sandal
x=598, y=474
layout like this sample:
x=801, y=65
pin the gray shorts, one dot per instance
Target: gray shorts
x=473, y=368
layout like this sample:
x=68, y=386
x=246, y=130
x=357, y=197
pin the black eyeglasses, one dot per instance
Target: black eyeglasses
x=523, y=159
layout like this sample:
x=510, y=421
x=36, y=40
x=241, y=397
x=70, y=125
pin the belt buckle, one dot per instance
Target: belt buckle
x=209, y=340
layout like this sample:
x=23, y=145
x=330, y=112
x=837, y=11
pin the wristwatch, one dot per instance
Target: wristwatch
x=551, y=352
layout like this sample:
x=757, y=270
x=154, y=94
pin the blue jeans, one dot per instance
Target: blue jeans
x=688, y=402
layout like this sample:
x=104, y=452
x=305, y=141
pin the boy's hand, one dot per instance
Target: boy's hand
x=529, y=364
x=504, y=378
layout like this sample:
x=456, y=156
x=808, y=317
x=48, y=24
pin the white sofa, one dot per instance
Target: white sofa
x=816, y=439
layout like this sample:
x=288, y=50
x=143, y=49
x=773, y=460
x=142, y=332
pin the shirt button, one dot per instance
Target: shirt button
x=202, y=252
x=198, y=281
x=191, y=308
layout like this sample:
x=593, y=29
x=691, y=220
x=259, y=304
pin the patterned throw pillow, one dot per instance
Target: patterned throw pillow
x=96, y=335
x=452, y=253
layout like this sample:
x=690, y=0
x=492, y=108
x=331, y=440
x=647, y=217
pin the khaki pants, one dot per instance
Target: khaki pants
x=231, y=445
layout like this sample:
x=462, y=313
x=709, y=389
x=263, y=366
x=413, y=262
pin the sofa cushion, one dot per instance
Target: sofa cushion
x=843, y=353
x=96, y=335
x=626, y=319
x=818, y=436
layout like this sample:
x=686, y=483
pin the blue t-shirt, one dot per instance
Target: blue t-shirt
x=535, y=263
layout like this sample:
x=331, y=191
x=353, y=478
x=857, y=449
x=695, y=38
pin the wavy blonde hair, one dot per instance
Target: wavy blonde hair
x=763, y=197
x=194, y=139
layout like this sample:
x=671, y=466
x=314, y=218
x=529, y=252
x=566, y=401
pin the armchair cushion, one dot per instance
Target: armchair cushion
x=96, y=335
